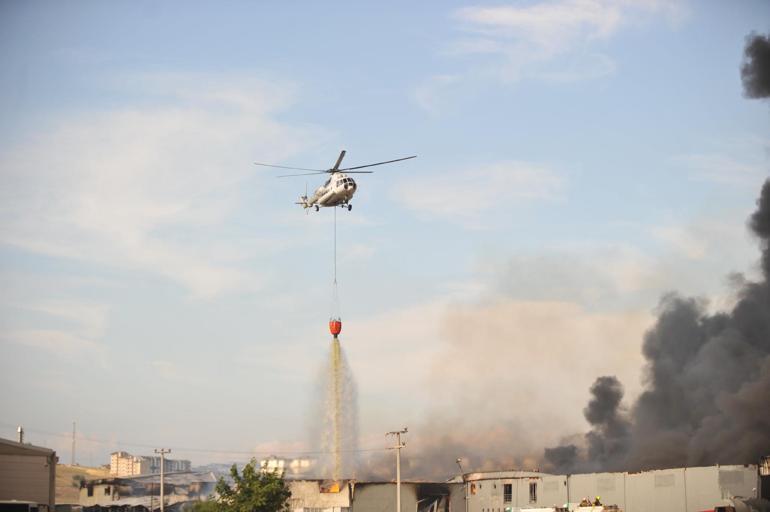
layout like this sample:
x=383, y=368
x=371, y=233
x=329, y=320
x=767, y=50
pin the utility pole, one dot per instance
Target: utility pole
x=162, y=452
x=72, y=462
x=398, y=447
x=465, y=482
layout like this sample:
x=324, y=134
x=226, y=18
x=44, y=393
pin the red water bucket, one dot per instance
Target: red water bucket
x=335, y=326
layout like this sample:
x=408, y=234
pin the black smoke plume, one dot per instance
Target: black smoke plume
x=608, y=439
x=755, y=71
x=707, y=383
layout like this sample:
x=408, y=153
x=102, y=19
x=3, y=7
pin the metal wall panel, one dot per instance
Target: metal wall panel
x=609, y=486
x=738, y=481
x=25, y=478
x=656, y=491
x=702, y=489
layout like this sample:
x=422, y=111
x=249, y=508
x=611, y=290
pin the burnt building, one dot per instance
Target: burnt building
x=353, y=496
x=141, y=493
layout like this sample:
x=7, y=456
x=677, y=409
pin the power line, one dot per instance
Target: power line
x=118, y=443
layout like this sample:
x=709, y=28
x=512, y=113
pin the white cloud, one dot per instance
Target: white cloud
x=72, y=327
x=51, y=340
x=553, y=41
x=429, y=95
x=551, y=28
x=548, y=27
x=146, y=187
x=723, y=168
x=465, y=195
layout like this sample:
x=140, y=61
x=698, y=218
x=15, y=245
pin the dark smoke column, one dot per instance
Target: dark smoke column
x=707, y=376
x=755, y=71
x=707, y=385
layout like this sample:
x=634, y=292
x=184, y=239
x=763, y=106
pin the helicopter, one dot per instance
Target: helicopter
x=338, y=190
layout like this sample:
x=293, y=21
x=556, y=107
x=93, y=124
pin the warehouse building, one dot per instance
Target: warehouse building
x=142, y=492
x=28, y=473
x=668, y=490
x=665, y=490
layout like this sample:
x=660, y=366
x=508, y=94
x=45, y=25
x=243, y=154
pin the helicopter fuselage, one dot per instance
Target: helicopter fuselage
x=338, y=190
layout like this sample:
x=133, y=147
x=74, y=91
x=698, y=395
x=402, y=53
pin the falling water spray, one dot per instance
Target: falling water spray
x=339, y=433
x=338, y=415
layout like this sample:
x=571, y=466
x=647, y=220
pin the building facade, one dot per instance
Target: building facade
x=352, y=496
x=28, y=473
x=142, y=492
x=665, y=490
x=125, y=464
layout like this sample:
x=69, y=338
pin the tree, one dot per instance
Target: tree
x=254, y=490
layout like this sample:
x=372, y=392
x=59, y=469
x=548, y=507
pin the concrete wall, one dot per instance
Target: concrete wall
x=102, y=494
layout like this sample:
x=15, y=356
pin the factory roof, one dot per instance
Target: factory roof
x=9, y=447
x=177, y=478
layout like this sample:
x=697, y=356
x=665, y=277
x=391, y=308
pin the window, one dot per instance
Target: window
x=533, y=492
x=90, y=491
x=507, y=493
x=107, y=491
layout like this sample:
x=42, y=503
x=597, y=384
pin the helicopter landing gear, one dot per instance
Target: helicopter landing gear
x=316, y=208
x=350, y=207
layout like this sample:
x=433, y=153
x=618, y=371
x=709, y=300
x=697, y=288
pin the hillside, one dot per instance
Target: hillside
x=66, y=488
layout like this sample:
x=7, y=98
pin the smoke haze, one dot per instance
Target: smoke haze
x=510, y=371
x=707, y=384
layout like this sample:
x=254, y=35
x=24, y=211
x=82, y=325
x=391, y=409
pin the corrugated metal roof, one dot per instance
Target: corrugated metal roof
x=180, y=478
x=6, y=446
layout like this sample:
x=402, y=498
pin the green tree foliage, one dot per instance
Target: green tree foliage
x=252, y=491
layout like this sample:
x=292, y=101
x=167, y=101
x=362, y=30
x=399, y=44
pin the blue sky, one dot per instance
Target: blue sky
x=577, y=159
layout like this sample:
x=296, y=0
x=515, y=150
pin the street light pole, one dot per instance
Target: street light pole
x=162, y=452
x=398, y=447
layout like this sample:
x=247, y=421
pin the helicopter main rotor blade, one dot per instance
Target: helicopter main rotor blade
x=339, y=161
x=303, y=174
x=359, y=172
x=378, y=163
x=292, y=168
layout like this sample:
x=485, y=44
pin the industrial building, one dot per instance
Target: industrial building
x=668, y=490
x=125, y=464
x=28, y=474
x=352, y=496
x=142, y=492
x=664, y=490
